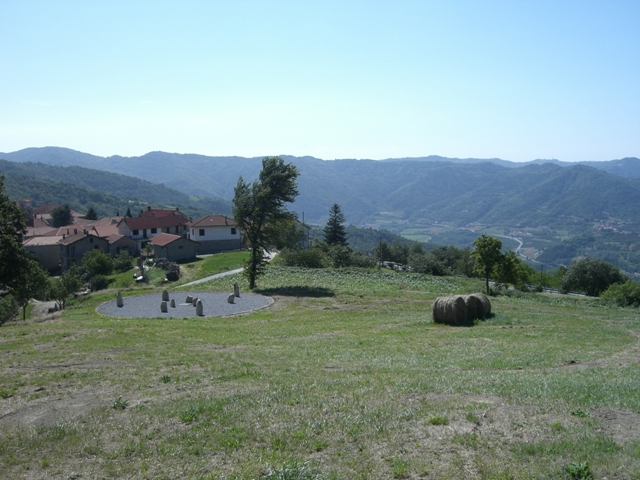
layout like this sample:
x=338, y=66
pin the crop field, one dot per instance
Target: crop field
x=345, y=376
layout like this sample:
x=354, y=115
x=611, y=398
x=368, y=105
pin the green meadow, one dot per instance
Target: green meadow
x=345, y=376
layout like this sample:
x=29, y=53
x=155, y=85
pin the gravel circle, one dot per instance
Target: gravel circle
x=214, y=305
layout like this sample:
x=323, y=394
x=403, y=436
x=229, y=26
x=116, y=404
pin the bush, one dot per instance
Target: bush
x=362, y=261
x=307, y=258
x=98, y=282
x=9, y=309
x=96, y=262
x=624, y=295
x=426, y=263
x=122, y=262
x=340, y=256
x=591, y=276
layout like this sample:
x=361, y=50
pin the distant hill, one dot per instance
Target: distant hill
x=461, y=192
x=105, y=192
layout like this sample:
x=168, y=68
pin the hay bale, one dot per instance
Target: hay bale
x=461, y=309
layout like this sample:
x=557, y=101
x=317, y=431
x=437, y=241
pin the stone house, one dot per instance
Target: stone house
x=215, y=233
x=173, y=247
x=73, y=247
x=148, y=225
x=46, y=249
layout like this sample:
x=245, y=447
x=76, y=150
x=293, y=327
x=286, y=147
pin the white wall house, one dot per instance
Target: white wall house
x=215, y=233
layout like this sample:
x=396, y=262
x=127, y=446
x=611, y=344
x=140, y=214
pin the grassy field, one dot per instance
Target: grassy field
x=345, y=376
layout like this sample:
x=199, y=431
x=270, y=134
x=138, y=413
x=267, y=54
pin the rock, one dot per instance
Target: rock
x=173, y=303
x=165, y=296
x=194, y=301
x=231, y=298
x=163, y=307
x=199, y=309
x=461, y=309
x=119, y=300
x=189, y=299
x=236, y=290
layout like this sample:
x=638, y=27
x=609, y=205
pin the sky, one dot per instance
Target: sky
x=515, y=79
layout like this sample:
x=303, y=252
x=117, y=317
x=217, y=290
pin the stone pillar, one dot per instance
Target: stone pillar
x=173, y=303
x=195, y=301
x=231, y=298
x=189, y=299
x=236, y=290
x=199, y=309
x=163, y=307
x=165, y=296
x=119, y=300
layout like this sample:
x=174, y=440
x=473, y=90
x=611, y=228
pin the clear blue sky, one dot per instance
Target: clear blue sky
x=513, y=79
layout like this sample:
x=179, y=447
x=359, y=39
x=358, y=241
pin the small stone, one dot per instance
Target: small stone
x=173, y=303
x=236, y=290
x=189, y=299
x=165, y=296
x=231, y=298
x=119, y=300
x=163, y=307
x=199, y=309
x=194, y=301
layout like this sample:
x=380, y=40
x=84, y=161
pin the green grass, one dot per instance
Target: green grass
x=345, y=376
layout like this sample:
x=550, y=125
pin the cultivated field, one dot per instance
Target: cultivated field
x=345, y=376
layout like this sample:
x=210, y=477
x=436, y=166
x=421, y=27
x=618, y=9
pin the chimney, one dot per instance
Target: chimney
x=63, y=236
x=75, y=230
x=67, y=231
x=149, y=208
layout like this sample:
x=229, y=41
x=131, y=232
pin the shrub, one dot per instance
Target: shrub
x=307, y=258
x=9, y=308
x=98, y=282
x=122, y=262
x=96, y=262
x=623, y=295
x=591, y=276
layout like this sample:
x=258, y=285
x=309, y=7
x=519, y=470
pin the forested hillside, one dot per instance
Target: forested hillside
x=104, y=191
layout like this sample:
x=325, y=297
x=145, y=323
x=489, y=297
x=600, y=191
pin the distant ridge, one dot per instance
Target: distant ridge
x=425, y=189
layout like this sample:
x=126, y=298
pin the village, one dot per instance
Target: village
x=161, y=233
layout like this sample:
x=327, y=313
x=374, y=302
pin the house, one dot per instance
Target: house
x=46, y=249
x=73, y=247
x=215, y=233
x=173, y=247
x=149, y=224
x=119, y=243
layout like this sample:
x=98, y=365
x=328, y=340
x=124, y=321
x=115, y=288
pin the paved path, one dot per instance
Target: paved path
x=211, y=277
x=269, y=255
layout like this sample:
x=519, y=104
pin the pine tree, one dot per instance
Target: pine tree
x=335, y=232
x=91, y=214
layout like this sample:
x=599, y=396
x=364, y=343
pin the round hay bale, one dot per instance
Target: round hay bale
x=461, y=309
x=450, y=310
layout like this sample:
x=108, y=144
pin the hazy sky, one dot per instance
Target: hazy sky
x=513, y=79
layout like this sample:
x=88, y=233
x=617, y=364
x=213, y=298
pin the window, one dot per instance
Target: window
x=233, y=231
x=154, y=230
x=180, y=247
x=177, y=229
x=90, y=239
x=201, y=232
x=95, y=247
x=135, y=232
x=193, y=231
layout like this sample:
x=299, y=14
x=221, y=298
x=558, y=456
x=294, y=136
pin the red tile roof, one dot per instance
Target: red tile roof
x=76, y=237
x=164, y=239
x=142, y=223
x=214, y=221
x=157, y=212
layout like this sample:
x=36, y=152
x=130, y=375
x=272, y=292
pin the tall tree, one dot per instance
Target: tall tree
x=61, y=216
x=487, y=255
x=259, y=208
x=91, y=214
x=335, y=232
x=13, y=256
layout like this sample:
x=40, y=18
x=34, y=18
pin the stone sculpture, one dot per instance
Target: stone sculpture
x=119, y=300
x=199, y=309
x=231, y=298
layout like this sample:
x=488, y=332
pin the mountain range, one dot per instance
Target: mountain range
x=426, y=189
